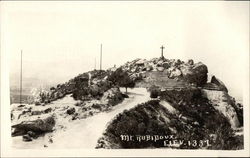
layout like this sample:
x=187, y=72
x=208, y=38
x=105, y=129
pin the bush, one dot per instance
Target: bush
x=121, y=79
x=154, y=91
x=97, y=106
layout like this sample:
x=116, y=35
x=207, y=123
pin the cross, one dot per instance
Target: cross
x=162, y=51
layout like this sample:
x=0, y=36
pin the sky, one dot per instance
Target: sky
x=62, y=39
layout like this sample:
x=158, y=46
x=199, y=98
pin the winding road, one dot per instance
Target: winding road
x=84, y=133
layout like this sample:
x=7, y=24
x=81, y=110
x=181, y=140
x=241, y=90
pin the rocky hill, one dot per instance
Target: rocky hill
x=180, y=81
x=185, y=104
x=87, y=94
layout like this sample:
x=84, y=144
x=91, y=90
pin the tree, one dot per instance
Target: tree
x=121, y=78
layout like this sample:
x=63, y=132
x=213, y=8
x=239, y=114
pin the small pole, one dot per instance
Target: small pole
x=101, y=58
x=21, y=77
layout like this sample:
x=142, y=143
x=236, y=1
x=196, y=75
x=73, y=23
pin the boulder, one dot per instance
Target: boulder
x=159, y=63
x=27, y=138
x=211, y=86
x=37, y=126
x=71, y=111
x=47, y=110
x=59, y=94
x=36, y=112
x=166, y=65
x=190, y=62
x=196, y=73
x=144, y=69
x=143, y=75
x=221, y=102
x=161, y=69
x=97, y=106
x=219, y=83
x=177, y=63
x=175, y=73
x=186, y=70
x=149, y=68
x=112, y=96
x=134, y=69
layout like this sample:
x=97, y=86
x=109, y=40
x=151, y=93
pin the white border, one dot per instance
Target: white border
x=7, y=151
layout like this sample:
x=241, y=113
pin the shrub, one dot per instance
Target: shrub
x=121, y=79
x=97, y=106
x=154, y=91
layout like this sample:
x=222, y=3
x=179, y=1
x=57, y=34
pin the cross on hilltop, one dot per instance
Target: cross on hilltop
x=162, y=47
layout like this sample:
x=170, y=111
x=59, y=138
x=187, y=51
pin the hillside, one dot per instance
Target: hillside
x=159, y=124
x=185, y=104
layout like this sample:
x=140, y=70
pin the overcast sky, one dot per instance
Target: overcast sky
x=62, y=39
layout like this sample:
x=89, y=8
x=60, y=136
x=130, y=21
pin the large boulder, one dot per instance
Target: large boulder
x=37, y=126
x=166, y=65
x=221, y=101
x=112, y=96
x=219, y=83
x=161, y=69
x=175, y=73
x=149, y=68
x=159, y=63
x=196, y=73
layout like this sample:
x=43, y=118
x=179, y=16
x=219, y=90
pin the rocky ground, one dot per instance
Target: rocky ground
x=82, y=132
x=167, y=70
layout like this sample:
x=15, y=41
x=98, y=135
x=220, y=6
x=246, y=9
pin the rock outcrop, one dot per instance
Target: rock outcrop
x=219, y=83
x=112, y=97
x=83, y=87
x=37, y=126
x=182, y=82
x=195, y=73
x=221, y=101
x=189, y=72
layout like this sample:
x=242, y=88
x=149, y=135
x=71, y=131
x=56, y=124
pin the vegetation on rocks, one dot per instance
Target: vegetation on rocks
x=199, y=121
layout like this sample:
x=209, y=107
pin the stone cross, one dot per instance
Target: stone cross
x=162, y=47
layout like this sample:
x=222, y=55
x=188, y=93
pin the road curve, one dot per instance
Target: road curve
x=84, y=133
